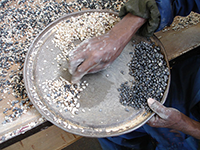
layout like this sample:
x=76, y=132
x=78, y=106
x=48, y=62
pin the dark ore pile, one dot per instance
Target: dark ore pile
x=151, y=74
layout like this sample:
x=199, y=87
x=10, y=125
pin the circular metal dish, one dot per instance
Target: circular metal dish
x=100, y=113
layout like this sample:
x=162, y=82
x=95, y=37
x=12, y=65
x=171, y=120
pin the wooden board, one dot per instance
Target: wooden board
x=51, y=138
x=179, y=42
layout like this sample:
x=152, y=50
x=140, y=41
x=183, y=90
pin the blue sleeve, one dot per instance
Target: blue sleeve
x=171, y=8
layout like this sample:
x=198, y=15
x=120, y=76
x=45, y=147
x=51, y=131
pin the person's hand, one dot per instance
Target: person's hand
x=172, y=118
x=94, y=55
x=165, y=117
x=98, y=53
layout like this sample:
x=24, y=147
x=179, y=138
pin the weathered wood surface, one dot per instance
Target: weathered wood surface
x=52, y=138
x=177, y=43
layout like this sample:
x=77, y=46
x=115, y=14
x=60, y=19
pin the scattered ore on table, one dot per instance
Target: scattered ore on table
x=20, y=22
x=150, y=71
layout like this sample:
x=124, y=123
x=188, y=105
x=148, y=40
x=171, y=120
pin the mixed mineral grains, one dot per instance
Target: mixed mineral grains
x=150, y=71
x=180, y=22
x=64, y=95
x=73, y=29
x=82, y=27
x=20, y=22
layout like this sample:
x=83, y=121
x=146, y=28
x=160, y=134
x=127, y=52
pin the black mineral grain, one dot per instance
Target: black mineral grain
x=151, y=74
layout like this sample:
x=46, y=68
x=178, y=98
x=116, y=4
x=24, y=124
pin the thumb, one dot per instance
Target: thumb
x=158, y=108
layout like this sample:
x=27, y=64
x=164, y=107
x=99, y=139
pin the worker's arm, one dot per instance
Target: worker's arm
x=172, y=118
x=157, y=14
x=97, y=53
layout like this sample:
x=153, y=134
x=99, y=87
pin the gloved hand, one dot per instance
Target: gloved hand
x=165, y=117
x=97, y=53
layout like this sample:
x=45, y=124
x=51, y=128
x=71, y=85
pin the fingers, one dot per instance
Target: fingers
x=81, y=53
x=99, y=67
x=78, y=49
x=155, y=121
x=151, y=121
x=83, y=69
x=74, y=64
x=91, y=56
x=89, y=66
x=158, y=108
x=165, y=117
x=76, y=57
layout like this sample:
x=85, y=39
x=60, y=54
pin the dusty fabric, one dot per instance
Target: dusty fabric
x=146, y=9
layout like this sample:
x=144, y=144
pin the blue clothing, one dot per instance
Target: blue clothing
x=170, y=8
x=184, y=95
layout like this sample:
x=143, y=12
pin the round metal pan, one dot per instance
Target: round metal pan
x=103, y=114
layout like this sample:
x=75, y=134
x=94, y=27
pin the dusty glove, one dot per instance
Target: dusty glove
x=146, y=9
x=165, y=117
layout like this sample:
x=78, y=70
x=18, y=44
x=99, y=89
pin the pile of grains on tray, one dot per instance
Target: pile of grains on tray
x=150, y=71
x=82, y=27
x=64, y=94
x=20, y=22
x=69, y=31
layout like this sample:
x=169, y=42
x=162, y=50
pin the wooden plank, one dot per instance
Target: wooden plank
x=51, y=138
x=179, y=42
